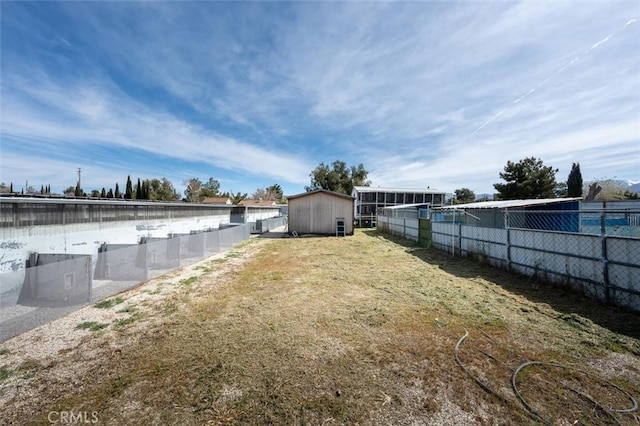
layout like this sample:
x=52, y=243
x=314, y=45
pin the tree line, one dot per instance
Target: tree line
x=528, y=178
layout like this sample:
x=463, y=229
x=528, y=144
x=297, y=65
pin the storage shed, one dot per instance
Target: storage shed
x=321, y=212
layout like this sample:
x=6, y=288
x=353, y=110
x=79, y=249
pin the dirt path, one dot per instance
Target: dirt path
x=358, y=330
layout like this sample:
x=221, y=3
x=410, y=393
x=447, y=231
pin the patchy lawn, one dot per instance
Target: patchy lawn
x=365, y=330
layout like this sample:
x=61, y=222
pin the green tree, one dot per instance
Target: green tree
x=162, y=190
x=11, y=188
x=145, y=190
x=574, y=181
x=464, y=195
x=117, y=194
x=526, y=179
x=138, y=190
x=103, y=194
x=110, y=193
x=235, y=198
x=128, y=192
x=95, y=193
x=277, y=194
x=561, y=190
x=338, y=177
x=210, y=188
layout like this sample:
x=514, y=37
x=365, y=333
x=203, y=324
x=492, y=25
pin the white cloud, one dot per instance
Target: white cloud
x=422, y=93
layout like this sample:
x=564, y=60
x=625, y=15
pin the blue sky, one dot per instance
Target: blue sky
x=438, y=94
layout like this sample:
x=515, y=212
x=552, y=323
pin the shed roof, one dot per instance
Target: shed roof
x=252, y=202
x=216, y=200
x=505, y=204
x=407, y=190
x=317, y=191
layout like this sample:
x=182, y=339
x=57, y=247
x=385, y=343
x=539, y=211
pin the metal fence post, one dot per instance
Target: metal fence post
x=460, y=238
x=508, y=230
x=605, y=258
x=88, y=264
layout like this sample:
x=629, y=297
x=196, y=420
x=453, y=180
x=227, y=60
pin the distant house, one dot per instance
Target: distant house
x=320, y=212
x=371, y=200
x=250, y=202
x=216, y=200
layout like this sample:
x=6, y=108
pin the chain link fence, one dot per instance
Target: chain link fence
x=53, y=285
x=594, y=251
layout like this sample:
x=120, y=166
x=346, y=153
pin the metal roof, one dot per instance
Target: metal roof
x=408, y=190
x=316, y=191
x=406, y=206
x=505, y=204
x=105, y=202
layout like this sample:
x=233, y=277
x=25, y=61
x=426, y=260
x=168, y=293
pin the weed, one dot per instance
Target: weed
x=108, y=303
x=125, y=321
x=5, y=373
x=4, y=351
x=91, y=326
x=189, y=281
x=118, y=385
x=170, y=307
x=128, y=309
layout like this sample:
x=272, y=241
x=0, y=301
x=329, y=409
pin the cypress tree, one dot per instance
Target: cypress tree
x=103, y=194
x=128, y=192
x=574, y=182
x=139, y=190
x=145, y=190
x=11, y=188
x=117, y=194
x=110, y=193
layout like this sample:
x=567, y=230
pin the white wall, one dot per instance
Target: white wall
x=85, y=238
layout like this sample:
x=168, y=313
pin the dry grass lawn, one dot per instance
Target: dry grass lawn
x=363, y=330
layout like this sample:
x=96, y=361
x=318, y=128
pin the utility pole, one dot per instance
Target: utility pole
x=79, y=177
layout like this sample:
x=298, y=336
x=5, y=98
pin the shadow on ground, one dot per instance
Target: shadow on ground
x=561, y=298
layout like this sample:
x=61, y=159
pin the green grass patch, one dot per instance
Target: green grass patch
x=118, y=385
x=4, y=351
x=108, y=303
x=189, y=281
x=91, y=326
x=5, y=373
x=128, y=309
x=126, y=321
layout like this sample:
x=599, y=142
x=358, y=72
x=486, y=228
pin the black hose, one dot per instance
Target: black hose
x=514, y=384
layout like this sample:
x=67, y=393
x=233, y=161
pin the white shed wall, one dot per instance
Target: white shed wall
x=316, y=214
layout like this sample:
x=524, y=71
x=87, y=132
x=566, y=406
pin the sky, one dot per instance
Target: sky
x=438, y=94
